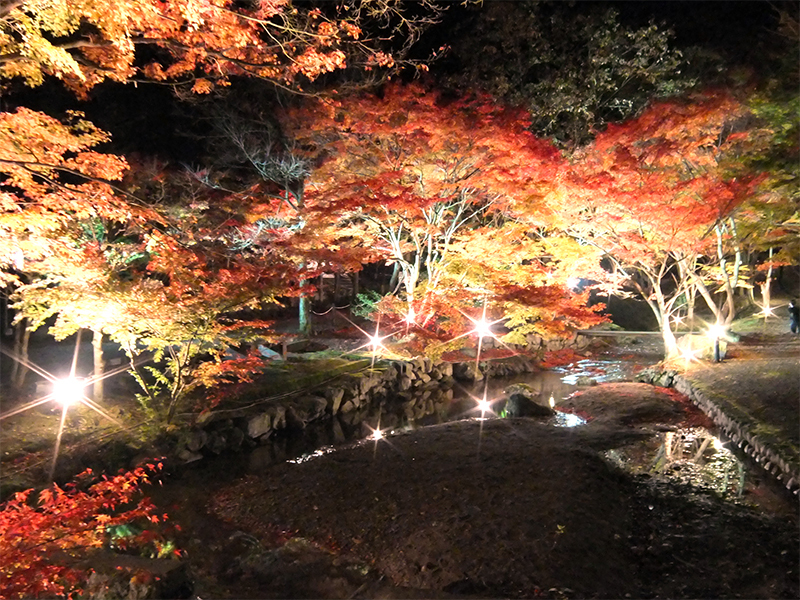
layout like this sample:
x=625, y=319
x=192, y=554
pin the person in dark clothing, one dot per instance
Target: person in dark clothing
x=794, y=316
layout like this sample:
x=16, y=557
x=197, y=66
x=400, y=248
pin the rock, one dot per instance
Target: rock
x=186, y=456
x=217, y=442
x=259, y=425
x=197, y=439
x=523, y=389
x=133, y=577
x=334, y=397
x=519, y=405
x=268, y=353
x=302, y=411
x=235, y=438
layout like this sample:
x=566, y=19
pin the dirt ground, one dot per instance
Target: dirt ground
x=497, y=508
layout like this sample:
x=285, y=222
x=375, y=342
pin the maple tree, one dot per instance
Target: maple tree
x=204, y=43
x=45, y=543
x=651, y=196
x=55, y=187
x=426, y=179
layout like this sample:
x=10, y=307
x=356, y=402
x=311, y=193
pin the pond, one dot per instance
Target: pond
x=691, y=454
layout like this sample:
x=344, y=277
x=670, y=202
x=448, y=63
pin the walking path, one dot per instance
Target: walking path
x=753, y=395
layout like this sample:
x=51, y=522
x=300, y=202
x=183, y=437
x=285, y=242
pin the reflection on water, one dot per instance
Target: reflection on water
x=563, y=419
x=692, y=455
x=601, y=371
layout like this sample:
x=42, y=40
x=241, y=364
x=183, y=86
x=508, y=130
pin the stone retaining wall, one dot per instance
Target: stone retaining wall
x=389, y=393
x=747, y=441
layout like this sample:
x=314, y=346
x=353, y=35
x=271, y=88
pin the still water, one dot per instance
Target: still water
x=693, y=455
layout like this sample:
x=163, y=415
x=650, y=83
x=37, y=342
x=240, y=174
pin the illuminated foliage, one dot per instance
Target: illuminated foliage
x=204, y=43
x=426, y=179
x=649, y=193
x=152, y=274
x=43, y=543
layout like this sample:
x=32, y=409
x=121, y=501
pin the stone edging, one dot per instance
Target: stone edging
x=748, y=442
x=393, y=390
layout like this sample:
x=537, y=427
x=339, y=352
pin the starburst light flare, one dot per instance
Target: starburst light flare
x=716, y=331
x=484, y=406
x=688, y=355
x=68, y=391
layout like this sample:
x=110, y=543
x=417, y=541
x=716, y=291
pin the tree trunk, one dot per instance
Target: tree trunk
x=99, y=364
x=670, y=343
x=304, y=312
x=729, y=312
x=321, y=287
x=337, y=287
x=766, y=290
x=22, y=337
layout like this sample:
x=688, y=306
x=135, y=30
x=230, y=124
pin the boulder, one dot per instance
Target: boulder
x=217, y=442
x=259, y=425
x=334, y=397
x=187, y=456
x=197, y=439
x=302, y=411
x=521, y=405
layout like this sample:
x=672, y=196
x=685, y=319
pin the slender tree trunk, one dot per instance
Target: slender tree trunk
x=691, y=299
x=661, y=308
x=730, y=307
x=304, y=312
x=354, y=278
x=766, y=289
x=22, y=338
x=99, y=364
x=394, y=281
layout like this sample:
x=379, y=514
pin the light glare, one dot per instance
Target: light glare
x=68, y=391
x=483, y=328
